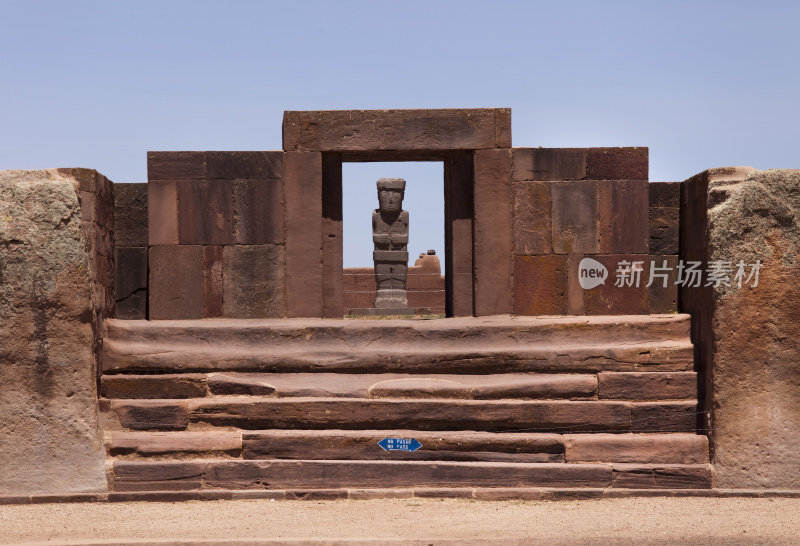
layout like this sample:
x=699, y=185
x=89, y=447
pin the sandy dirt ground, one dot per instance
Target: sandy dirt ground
x=409, y=521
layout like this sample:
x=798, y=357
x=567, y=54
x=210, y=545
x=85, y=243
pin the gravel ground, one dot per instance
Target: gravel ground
x=409, y=521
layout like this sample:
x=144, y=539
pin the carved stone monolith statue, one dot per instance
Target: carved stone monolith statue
x=390, y=236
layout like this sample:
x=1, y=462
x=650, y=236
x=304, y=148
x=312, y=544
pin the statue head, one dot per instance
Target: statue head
x=390, y=195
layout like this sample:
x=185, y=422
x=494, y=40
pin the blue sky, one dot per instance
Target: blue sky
x=97, y=84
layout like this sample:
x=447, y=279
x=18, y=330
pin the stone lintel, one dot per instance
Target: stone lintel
x=398, y=130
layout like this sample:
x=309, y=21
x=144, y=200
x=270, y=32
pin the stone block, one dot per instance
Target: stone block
x=332, y=236
x=253, y=281
x=244, y=165
x=50, y=439
x=131, y=282
x=668, y=476
x=176, y=166
x=617, y=163
x=181, y=444
x=575, y=217
x=665, y=194
x=664, y=299
x=130, y=215
x=623, y=222
x=459, y=174
x=610, y=299
x=647, y=385
x=549, y=164
x=574, y=290
x=206, y=212
x=162, y=213
x=492, y=232
x=636, y=448
x=302, y=177
x=151, y=414
x=176, y=282
x=258, y=212
x=401, y=474
x=310, y=413
x=664, y=237
x=664, y=416
x=212, y=281
x=540, y=285
x=154, y=476
x=233, y=384
x=397, y=130
x=751, y=337
x=532, y=225
x=185, y=385
x=438, y=446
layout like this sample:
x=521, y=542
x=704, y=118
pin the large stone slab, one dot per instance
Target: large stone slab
x=683, y=448
x=302, y=179
x=130, y=215
x=355, y=413
x=253, y=281
x=49, y=436
x=401, y=130
x=439, y=445
x=176, y=281
x=130, y=264
x=754, y=376
x=575, y=217
x=540, y=285
x=458, y=345
x=155, y=475
x=492, y=230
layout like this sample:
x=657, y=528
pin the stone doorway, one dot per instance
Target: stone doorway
x=474, y=146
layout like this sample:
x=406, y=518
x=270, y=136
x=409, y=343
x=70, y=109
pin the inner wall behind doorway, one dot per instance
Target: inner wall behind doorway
x=424, y=201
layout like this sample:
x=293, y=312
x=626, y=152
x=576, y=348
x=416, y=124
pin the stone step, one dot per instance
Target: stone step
x=255, y=412
x=315, y=474
x=606, y=385
x=668, y=448
x=459, y=345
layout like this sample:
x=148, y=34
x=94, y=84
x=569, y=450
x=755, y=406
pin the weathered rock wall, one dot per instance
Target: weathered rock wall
x=748, y=336
x=54, y=271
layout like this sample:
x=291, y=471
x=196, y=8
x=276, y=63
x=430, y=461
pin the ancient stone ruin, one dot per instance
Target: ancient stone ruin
x=185, y=338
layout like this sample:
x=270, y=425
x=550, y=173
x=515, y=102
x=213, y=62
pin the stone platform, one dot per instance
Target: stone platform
x=555, y=402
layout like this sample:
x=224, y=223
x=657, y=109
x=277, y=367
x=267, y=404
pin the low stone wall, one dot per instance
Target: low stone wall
x=748, y=350
x=425, y=286
x=55, y=278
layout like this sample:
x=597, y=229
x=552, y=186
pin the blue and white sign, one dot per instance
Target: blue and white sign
x=400, y=444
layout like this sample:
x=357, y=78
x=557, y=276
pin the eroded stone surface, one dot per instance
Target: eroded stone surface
x=753, y=215
x=49, y=436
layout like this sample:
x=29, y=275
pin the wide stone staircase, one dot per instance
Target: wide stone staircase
x=566, y=403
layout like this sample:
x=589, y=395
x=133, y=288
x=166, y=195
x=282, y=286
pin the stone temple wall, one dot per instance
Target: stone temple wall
x=55, y=279
x=225, y=245
x=216, y=235
x=575, y=203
